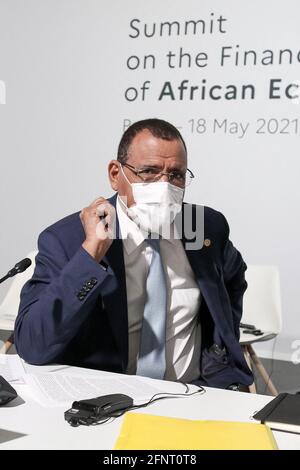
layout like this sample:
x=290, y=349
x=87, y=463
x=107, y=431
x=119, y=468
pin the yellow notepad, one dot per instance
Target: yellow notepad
x=142, y=431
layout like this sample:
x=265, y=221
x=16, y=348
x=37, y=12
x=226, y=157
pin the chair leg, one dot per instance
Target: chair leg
x=252, y=387
x=6, y=347
x=260, y=367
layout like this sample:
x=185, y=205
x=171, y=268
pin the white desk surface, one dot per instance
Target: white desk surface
x=45, y=428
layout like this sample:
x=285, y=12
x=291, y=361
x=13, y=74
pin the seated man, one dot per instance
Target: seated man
x=120, y=286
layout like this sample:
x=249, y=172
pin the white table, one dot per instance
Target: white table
x=44, y=428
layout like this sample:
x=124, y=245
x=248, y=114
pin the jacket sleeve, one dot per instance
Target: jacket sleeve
x=234, y=269
x=57, y=299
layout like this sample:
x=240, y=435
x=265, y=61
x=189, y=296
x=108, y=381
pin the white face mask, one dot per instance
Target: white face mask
x=156, y=205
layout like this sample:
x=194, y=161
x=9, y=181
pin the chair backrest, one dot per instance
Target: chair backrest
x=10, y=305
x=262, y=302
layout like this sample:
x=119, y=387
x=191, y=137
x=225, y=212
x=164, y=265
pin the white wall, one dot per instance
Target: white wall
x=63, y=63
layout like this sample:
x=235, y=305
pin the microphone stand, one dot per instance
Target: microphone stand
x=4, y=278
x=10, y=341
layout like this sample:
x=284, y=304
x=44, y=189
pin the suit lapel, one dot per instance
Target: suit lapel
x=200, y=258
x=209, y=280
x=116, y=301
x=205, y=269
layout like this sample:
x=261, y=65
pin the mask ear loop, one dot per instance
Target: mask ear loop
x=121, y=166
x=125, y=207
x=122, y=203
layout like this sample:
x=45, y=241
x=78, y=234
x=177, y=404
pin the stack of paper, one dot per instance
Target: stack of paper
x=51, y=389
x=12, y=369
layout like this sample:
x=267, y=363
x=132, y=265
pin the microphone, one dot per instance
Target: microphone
x=18, y=268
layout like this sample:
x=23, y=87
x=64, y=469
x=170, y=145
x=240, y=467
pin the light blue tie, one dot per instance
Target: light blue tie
x=152, y=357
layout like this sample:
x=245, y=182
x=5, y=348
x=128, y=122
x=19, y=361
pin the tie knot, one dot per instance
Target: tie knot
x=154, y=243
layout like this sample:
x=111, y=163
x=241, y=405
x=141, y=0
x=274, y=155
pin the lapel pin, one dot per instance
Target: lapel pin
x=207, y=242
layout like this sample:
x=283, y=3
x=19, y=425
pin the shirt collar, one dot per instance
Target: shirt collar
x=130, y=233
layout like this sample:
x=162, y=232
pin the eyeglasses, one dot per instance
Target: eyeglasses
x=152, y=174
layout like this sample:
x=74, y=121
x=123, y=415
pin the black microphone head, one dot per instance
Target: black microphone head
x=22, y=265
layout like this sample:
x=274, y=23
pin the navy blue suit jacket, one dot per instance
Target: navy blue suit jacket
x=74, y=310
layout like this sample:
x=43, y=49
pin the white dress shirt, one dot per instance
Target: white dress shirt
x=183, y=333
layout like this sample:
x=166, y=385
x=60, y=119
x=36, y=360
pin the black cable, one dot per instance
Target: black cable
x=149, y=402
x=166, y=395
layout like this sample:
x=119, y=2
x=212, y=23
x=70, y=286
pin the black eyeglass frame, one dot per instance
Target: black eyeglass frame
x=137, y=172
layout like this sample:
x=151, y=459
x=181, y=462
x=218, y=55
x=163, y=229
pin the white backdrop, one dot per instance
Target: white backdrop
x=66, y=67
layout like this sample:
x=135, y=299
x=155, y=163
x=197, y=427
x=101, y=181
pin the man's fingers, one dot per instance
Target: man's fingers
x=105, y=229
x=104, y=209
x=101, y=210
x=108, y=221
x=98, y=219
x=98, y=201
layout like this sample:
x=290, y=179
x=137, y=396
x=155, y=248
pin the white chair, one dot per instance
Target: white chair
x=262, y=308
x=10, y=305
